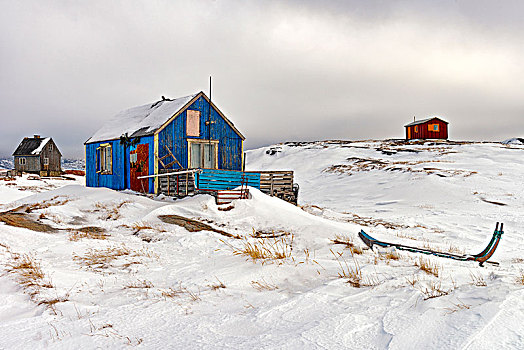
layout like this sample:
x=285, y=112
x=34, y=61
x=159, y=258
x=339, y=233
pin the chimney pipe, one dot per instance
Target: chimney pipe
x=37, y=136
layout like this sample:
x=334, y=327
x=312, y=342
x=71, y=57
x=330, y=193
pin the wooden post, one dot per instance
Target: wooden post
x=187, y=181
x=271, y=181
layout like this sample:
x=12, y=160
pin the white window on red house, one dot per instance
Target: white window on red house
x=22, y=161
x=46, y=161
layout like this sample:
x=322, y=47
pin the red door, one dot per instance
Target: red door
x=139, y=159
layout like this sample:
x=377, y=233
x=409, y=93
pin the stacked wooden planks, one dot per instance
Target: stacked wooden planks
x=177, y=185
x=215, y=180
x=278, y=184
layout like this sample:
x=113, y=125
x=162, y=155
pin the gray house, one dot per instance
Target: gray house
x=38, y=155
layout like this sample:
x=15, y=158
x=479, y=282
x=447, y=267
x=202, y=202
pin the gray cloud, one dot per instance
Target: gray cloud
x=296, y=70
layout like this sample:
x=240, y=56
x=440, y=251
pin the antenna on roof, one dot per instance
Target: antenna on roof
x=209, y=124
x=414, y=118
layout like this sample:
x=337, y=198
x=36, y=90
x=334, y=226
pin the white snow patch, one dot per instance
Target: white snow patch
x=167, y=292
x=41, y=147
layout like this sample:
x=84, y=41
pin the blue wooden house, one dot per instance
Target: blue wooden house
x=183, y=133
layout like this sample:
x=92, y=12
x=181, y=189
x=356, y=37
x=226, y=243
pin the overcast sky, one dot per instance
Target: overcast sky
x=282, y=70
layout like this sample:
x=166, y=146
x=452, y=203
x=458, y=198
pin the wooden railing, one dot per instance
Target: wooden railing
x=279, y=184
x=214, y=180
x=188, y=182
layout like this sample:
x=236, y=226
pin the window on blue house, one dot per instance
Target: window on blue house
x=104, y=159
x=203, y=154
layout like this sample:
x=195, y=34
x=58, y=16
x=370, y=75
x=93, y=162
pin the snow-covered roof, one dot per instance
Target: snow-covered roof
x=514, y=141
x=141, y=120
x=422, y=121
x=41, y=147
x=31, y=146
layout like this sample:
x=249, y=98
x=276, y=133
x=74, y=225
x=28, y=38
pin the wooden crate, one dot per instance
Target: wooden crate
x=181, y=185
x=278, y=184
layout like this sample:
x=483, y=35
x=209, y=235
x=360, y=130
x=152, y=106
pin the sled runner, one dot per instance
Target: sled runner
x=481, y=257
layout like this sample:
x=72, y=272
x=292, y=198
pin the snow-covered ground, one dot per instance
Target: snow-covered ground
x=119, y=269
x=27, y=185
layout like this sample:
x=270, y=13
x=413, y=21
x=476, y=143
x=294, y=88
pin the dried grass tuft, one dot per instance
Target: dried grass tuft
x=520, y=278
x=401, y=234
x=434, y=290
x=103, y=258
x=264, y=249
x=30, y=276
x=44, y=204
x=139, y=284
x=109, y=211
x=140, y=226
x=28, y=271
x=391, y=256
x=353, y=275
x=172, y=292
x=428, y=266
x=457, y=307
x=262, y=285
x=343, y=239
x=477, y=279
x=412, y=280
x=356, y=250
x=78, y=235
x=193, y=296
x=454, y=249
x=177, y=292
x=349, y=243
x=218, y=285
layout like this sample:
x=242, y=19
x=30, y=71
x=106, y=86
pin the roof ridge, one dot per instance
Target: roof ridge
x=421, y=121
x=145, y=118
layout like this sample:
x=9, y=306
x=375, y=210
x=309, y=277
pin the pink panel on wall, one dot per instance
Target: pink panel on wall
x=193, y=123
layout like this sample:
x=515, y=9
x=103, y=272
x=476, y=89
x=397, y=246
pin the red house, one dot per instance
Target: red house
x=431, y=128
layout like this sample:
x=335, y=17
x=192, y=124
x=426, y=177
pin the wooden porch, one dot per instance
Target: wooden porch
x=222, y=183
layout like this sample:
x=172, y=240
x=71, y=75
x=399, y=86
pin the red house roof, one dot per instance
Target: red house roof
x=422, y=121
